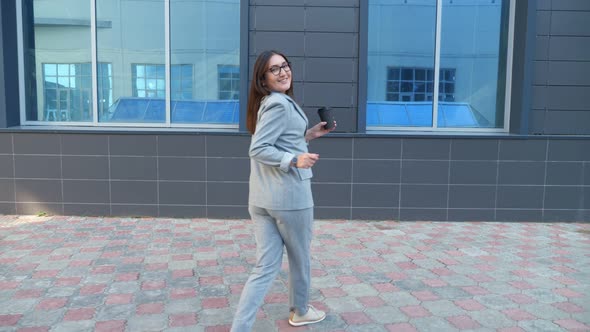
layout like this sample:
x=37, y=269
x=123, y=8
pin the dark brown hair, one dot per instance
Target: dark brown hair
x=258, y=90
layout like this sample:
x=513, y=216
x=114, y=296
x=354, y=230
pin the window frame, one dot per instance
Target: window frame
x=363, y=78
x=242, y=63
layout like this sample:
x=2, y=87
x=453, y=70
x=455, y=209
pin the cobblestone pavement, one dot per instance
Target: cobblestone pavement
x=129, y=274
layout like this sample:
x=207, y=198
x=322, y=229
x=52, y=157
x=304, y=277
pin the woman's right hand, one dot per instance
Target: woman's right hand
x=307, y=160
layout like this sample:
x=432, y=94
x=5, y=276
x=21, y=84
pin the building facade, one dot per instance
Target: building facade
x=462, y=110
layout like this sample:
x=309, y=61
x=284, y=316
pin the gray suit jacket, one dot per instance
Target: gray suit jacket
x=279, y=136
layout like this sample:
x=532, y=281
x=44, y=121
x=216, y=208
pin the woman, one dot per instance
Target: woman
x=280, y=201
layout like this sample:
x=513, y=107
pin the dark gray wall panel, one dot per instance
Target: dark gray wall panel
x=474, y=149
x=220, y=193
x=424, y=196
x=425, y=171
x=345, y=117
x=38, y=191
x=80, y=191
x=232, y=212
x=523, y=150
x=228, y=169
x=472, y=197
x=85, y=167
x=558, y=197
x=266, y=18
x=422, y=214
x=377, y=148
x=38, y=208
x=182, y=168
x=326, y=19
x=336, y=3
x=539, y=98
x=570, y=5
x=375, y=213
x=565, y=215
x=375, y=195
x=6, y=191
x=543, y=4
x=134, y=192
x=135, y=210
x=332, y=212
x=569, y=150
x=336, y=45
x=521, y=172
x=541, y=74
x=183, y=193
x=330, y=94
x=474, y=172
x=88, y=144
x=376, y=171
x=569, y=48
x=518, y=215
x=330, y=70
x=134, y=168
x=6, y=166
x=570, y=23
x=180, y=211
x=228, y=146
x=426, y=149
x=331, y=195
x=332, y=170
x=36, y=144
x=289, y=43
x=471, y=215
x=132, y=145
x=542, y=48
x=567, y=122
x=87, y=209
x=8, y=208
x=543, y=23
x=520, y=197
x=6, y=143
x=568, y=73
x=328, y=147
x=181, y=145
x=586, y=174
x=570, y=173
x=568, y=98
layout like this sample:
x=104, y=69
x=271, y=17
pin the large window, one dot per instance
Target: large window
x=454, y=50
x=152, y=65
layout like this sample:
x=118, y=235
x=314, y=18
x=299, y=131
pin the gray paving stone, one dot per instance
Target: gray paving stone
x=42, y=318
x=124, y=287
x=115, y=312
x=147, y=323
x=182, y=306
x=544, y=311
x=410, y=285
x=428, y=324
x=544, y=295
x=17, y=306
x=61, y=291
x=492, y=319
x=343, y=304
x=148, y=296
x=494, y=301
x=399, y=299
x=214, y=317
x=75, y=326
x=443, y=308
x=451, y=293
x=358, y=290
x=540, y=325
x=386, y=315
x=85, y=301
x=366, y=328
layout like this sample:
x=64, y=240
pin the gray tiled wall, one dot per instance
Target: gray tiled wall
x=399, y=178
x=320, y=37
x=561, y=81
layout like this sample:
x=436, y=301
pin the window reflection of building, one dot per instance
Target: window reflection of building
x=149, y=81
x=67, y=90
x=229, y=82
x=417, y=84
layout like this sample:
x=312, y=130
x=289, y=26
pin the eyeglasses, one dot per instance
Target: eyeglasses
x=276, y=70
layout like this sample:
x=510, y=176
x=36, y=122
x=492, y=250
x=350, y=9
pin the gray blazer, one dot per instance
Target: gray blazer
x=279, y=136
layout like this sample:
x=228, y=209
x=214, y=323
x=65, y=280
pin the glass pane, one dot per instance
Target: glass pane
x=472, y=64
x=205, y=36
x=57, y=42
x=400, y=53
x=134, y=44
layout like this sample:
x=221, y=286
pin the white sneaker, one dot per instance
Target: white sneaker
x=313, y=315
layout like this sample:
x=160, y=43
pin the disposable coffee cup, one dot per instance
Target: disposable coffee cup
x=326, y=115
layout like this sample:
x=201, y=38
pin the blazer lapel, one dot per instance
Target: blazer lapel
x=298, y=109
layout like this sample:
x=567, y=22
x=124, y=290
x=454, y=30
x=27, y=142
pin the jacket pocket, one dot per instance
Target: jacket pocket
x=304, y=173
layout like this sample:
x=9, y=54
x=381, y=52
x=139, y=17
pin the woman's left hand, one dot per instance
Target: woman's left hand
x=318, y=131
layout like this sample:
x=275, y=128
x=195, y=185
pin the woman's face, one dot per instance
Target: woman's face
x=278, y=74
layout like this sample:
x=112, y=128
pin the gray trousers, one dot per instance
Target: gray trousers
x=275, y=229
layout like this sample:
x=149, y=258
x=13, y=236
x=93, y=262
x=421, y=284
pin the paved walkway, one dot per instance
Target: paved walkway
x=126, y=274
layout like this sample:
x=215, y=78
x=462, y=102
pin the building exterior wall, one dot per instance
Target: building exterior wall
x=400, y=176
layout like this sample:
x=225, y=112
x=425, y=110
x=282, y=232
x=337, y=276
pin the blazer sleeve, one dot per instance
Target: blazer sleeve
x=272, y=121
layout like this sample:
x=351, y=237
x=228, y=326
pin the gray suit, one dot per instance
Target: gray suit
x=279, y=136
